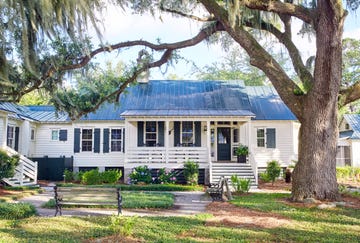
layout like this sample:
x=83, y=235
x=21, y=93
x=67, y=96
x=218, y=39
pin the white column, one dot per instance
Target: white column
x=4, y=138
x=166, y=141
x=208, y=145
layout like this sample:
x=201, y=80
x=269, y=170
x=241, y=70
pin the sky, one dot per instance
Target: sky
x=121, y=26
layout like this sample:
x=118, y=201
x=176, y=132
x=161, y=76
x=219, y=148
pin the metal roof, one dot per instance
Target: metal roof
x=177, y=98
x=354, y=122
x=267, y=104
x=187, y=98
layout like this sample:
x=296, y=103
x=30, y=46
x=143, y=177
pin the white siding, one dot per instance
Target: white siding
x=44, y=146
x=285, y=146
x=355, y=153
x=91, y=159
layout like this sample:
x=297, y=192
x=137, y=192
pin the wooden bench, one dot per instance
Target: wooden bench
x=87, y=196
x=216, y=190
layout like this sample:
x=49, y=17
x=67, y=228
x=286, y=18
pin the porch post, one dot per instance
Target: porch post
x=166, y=141
x=4, y=138
x=208, y=145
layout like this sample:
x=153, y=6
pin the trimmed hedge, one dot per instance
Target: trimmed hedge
x=16, y=210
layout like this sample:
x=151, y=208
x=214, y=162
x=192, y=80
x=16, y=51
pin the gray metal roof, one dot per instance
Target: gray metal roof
x=177, y=98
x=267, y=104
x=187, y=98
x=354, y=122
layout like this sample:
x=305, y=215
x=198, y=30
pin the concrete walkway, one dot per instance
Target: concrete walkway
x=186, y=203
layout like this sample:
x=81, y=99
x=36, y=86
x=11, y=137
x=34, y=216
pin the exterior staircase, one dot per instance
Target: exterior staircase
x=228, y=169
x=25, y=173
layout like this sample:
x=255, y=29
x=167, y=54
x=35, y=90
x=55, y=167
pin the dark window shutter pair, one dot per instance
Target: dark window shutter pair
x=63, y=135
x=141, y=134
x=197, y=134
x=270, y=138
x=77, y=133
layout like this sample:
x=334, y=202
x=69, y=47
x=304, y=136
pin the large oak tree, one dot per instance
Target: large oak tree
x=314, y=97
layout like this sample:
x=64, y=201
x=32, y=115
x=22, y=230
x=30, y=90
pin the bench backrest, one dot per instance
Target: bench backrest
x=96, y=195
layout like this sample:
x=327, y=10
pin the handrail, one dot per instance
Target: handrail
x=254, y=167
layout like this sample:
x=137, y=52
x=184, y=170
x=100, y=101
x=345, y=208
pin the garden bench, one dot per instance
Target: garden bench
x=87, y=196
x=216, y=190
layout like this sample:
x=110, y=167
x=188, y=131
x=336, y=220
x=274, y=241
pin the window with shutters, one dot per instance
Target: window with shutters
x=150, y=134
x=187, y=133
x=116, y=137
x=10, y=139
x=86, y=140
x=266, y=137
x=54, y=134
x=32, y=134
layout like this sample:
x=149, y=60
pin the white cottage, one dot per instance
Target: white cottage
x=161, y=124
x=348, y=153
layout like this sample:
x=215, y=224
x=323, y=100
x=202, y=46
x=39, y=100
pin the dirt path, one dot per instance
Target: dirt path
x=186, y=203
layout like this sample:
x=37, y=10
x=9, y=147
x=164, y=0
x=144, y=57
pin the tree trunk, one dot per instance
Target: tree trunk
x=315, y=173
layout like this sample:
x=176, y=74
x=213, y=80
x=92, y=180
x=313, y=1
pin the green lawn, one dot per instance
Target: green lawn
x=306, y=225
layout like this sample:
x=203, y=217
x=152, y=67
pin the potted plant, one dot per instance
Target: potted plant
x=242, y=152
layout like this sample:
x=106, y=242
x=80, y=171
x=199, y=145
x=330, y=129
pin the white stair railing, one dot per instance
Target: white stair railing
x=26, y=167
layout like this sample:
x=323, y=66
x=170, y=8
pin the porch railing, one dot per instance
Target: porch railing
x=254, y=167
x=161, y=155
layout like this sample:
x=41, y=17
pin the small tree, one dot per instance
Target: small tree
x=273, y=170
x=7, y=164
x=191, y=172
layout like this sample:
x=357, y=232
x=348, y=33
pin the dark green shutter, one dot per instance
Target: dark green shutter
x=161, y=133
x=76, y=140
x=176, y=133
x=198, y=134
x=17, y=129
x=140, y=134
x=270, y=138
x=106, y=140
x=97, y=140
x=123, y=140
x=63, y=135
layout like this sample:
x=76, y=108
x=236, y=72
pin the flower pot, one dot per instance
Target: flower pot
x=241, y=158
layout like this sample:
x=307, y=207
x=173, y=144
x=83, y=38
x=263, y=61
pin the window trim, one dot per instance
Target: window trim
x=265, y=138
x=118, y=140
x=12, y=145
x=146, y=132
x=82, y=139
x=51, y=134
x=182, y=132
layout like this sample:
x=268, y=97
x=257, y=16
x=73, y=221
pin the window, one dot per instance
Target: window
x=86, y=139
x=260, y=137
x=150, y=134
x=266, y=137
x=347, y=126
x=10, y=142
x=55, y=135
x=187, y=133
x=32, y=134
x=116, y=140
x=236, y=135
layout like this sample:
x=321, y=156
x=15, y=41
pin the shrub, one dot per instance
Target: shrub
x=16, y=210
x=166, y=177
x=111, y=176
x=69, y=176
x=91, y=177
x=141, y=174
x=240, y=184
x=264, y=177
x=7, y=164
x=78, y=176
x=191, y=172
x=273, y=170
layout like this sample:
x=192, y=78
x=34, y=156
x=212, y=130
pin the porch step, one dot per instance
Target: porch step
x=228, y=169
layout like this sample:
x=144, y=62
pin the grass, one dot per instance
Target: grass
x=133, y=200
x=306, y=225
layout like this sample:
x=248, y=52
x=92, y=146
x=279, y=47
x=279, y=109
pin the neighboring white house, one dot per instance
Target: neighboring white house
x=160, y=124
x=349, y=141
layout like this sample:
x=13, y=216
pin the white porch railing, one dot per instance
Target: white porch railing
x=26, y=168
x=254, y=167
x=161, y=155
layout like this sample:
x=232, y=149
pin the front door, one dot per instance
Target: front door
x=224, y=143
